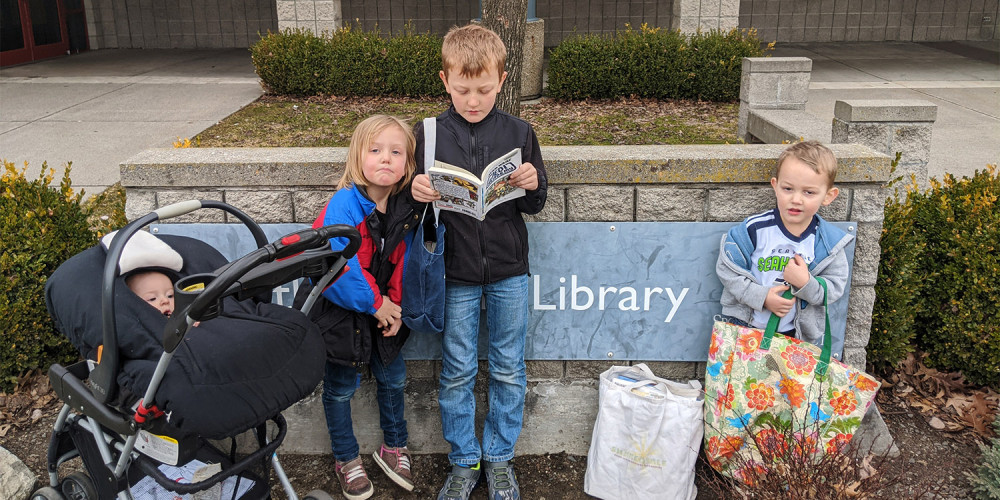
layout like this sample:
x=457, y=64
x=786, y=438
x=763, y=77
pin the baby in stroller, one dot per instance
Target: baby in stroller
x=157, y=390
x=155, y=288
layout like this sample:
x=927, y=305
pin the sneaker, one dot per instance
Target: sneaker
x=354, y=481
x=395, y=462
x=460, y=482
x=501, y=481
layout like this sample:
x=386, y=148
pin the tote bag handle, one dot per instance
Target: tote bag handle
x=430, y=139
x=772, y=327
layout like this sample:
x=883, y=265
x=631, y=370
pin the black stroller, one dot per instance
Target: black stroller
x=155, y=394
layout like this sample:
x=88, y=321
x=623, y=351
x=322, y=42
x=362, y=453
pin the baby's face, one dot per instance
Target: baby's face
x=156, y=289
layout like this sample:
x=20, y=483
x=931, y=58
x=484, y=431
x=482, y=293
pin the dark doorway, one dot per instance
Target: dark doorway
x=38, y=29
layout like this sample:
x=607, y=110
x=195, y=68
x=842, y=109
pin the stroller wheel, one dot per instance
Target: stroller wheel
x=78, y=486
x=317, y=495
x=47, y=493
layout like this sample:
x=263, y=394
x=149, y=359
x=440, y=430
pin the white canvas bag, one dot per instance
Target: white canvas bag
x=646, y=437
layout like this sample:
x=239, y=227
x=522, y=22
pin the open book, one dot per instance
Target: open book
x=465, y=193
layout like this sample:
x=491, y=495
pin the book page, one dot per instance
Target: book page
x=496, y=180
x=459, y=189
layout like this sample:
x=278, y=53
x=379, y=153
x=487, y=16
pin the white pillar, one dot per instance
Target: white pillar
x=691, y=15
x=315, y=15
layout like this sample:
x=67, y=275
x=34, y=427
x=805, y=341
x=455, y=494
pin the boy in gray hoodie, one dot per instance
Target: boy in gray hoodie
x=786, y=248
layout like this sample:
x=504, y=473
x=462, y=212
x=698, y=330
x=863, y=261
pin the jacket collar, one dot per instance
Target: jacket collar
x=829, y=239
x=461, y=119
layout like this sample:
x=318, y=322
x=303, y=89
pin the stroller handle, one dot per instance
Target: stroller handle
x=204, y=304
x=178, y=209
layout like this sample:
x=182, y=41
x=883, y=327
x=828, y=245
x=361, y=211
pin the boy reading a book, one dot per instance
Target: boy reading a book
x=785, y=248
x=485, y=259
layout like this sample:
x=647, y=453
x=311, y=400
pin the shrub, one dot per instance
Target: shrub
x=894, y=313
x=42, y=226
x=958, y=310
x=952, y=273
x=294, y=62
x=584, y=67
x=652, y=62
x=715, y=63
x=106, y=210
x=349, y=61
x=986, y=481
x=412, y=64
x=792, y=464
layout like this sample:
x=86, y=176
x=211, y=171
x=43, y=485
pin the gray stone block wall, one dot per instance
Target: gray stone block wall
x=171, y=24
x=773, y=93
x=889, y=127
x=772, y=83
x=644, y=183
x=870, y=20
x=562, y=18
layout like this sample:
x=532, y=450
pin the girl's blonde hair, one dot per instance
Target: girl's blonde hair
x=364, y=134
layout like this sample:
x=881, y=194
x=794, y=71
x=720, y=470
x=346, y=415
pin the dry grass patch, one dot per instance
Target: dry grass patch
x=274, y=121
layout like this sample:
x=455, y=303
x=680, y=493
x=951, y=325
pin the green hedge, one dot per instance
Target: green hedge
x=349, y=62
x=652, y=62
x=42, y=226
x=939, y=278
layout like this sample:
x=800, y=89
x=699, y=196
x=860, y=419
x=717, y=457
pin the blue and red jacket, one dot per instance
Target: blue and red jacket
x=347, y=323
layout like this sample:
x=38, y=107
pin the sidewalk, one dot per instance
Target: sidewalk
x=99, y=108
x=961, y=78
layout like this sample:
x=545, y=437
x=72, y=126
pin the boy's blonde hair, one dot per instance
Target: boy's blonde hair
x=361, y=140
x=472, y=50
x=814, y=154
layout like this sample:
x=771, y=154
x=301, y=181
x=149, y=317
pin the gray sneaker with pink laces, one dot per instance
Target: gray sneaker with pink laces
x=395, y=462
x=354, y=483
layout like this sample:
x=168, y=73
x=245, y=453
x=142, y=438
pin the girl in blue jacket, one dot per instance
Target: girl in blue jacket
x=360, y=319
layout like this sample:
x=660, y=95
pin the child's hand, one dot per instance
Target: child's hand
x=392, y=329
x=777, y=304
x=797, y=272
x=388, y=314
x=525, y=177
x=422, y=190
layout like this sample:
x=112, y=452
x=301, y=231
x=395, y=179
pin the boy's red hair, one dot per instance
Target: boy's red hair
x=472, y=50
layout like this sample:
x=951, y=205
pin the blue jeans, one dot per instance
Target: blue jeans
x=339, y=384
x=507, y=322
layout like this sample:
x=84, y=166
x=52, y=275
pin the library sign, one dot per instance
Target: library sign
x=599, y=290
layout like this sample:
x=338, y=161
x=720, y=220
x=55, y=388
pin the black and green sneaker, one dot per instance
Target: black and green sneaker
x=501, y=481
x=459, y=483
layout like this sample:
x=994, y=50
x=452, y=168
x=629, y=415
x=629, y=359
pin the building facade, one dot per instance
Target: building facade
x=35, y=29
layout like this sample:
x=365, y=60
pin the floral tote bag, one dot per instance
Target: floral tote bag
x=771, y=398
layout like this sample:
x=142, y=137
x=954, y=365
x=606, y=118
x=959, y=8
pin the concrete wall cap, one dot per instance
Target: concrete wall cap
x=642, y=164
x=885, y=110
x=249, y=156
x=776, y=125
x=695, y=163
x=777, y=64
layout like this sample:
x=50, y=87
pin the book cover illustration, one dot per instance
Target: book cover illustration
x=463, y=192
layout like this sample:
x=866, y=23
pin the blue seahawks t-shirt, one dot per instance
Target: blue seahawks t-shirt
x=774, y=246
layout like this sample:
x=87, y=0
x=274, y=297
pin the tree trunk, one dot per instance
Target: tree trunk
x=507, y=19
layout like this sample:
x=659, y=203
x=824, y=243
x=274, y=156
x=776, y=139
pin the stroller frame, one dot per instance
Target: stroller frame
x=105, y=438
